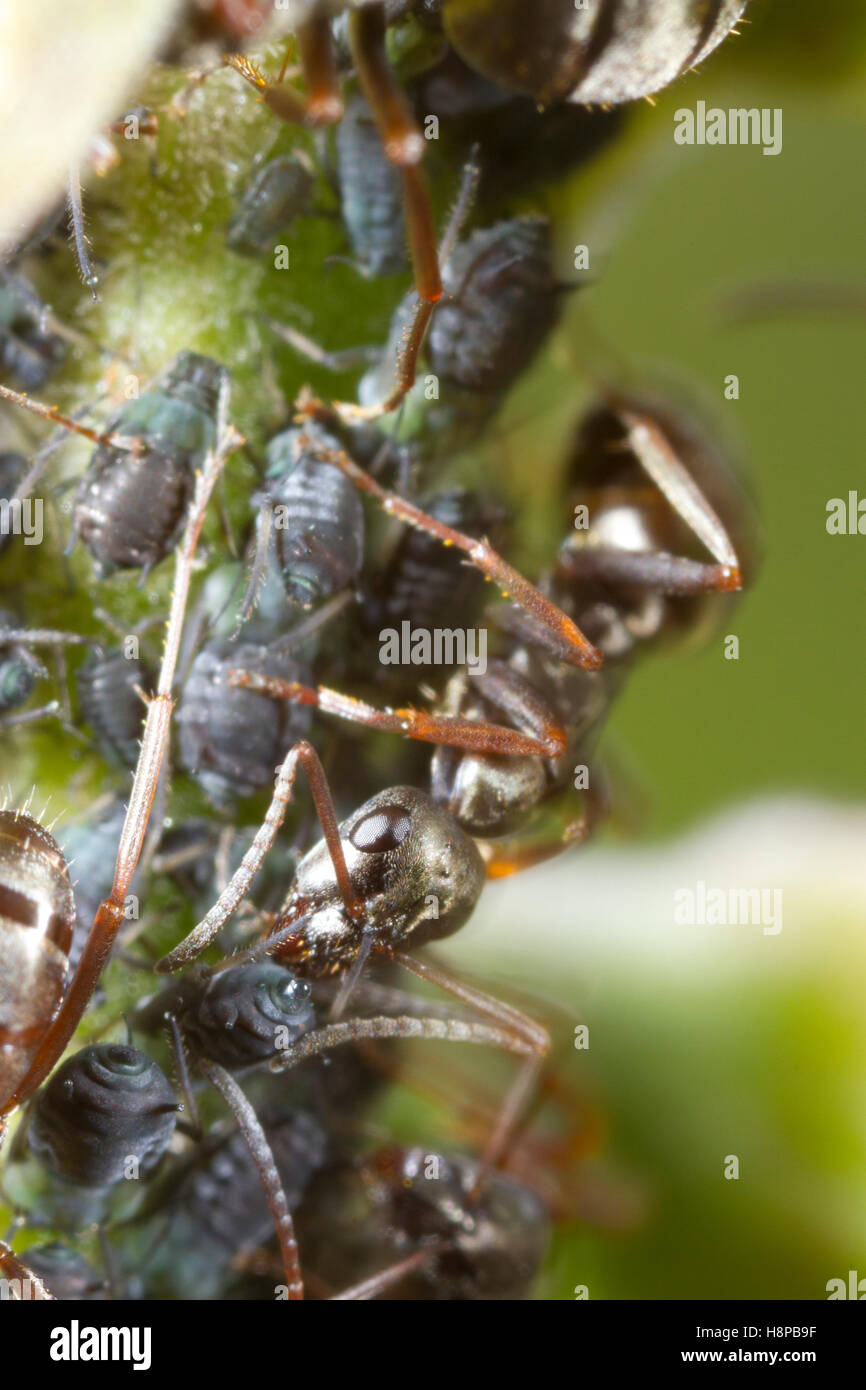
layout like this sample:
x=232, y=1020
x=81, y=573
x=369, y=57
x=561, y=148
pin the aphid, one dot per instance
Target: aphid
x=37, y=1019
x=619, y=51
x=371, y=194
x=110, y=689
x=107, y=1114
x=30, y=352
x=131, y=504
x=238, y=1017
x=231, y=740
x=422, y=582
x=90, y=845
x=278, y=192
x=19, y=670
x=216, y=1215
x=502, y=300
x=65, y=1272
x=37, y=916
x=375, y=1213
x=317, y=518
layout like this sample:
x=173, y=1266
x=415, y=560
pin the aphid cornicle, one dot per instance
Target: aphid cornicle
x=131, y=505
x=37, y=917
x=278, y=192
x=109, y=1107
x=318, y=519
x=619, y=51
x=231, y=740
x=110, y=688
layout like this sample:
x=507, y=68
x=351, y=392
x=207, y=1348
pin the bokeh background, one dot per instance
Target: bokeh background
x=704, y=1041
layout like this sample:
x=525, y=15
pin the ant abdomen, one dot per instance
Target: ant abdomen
x=37, y=916
x=108, y=1113
x=596, y=55
x=318, y=518
x=131, y=504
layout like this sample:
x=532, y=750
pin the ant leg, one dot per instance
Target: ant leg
x=386, y=1278
x=659, y=460
x=572, y=646
x=476, y=735
x=418, y=322
x=316, y=54
x=14, y=1269
x=110, y=914
x=50, y=412
x=502, y=858
x=518, y=1026
x=674, y=575
x=260, y=1150
x=202, y=934
x=403, y=142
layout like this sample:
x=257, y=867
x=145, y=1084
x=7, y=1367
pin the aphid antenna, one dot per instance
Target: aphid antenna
x=79, y=236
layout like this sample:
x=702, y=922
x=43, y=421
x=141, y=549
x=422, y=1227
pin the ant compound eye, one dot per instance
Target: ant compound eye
x=382, y=830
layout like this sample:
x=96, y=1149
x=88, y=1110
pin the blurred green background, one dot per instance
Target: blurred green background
x=757, y=1046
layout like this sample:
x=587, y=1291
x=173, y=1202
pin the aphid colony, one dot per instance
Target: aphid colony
x=271, y=666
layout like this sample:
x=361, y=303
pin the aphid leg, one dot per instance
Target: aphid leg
x=260, y=1150
x=475, y=735
x=343, y=361
x=228, y=901
x=190, y=1104
x=110, y=914
x=574, y=648
x=659, y=460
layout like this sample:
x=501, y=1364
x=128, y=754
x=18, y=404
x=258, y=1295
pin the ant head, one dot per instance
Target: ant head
x=416, y=872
